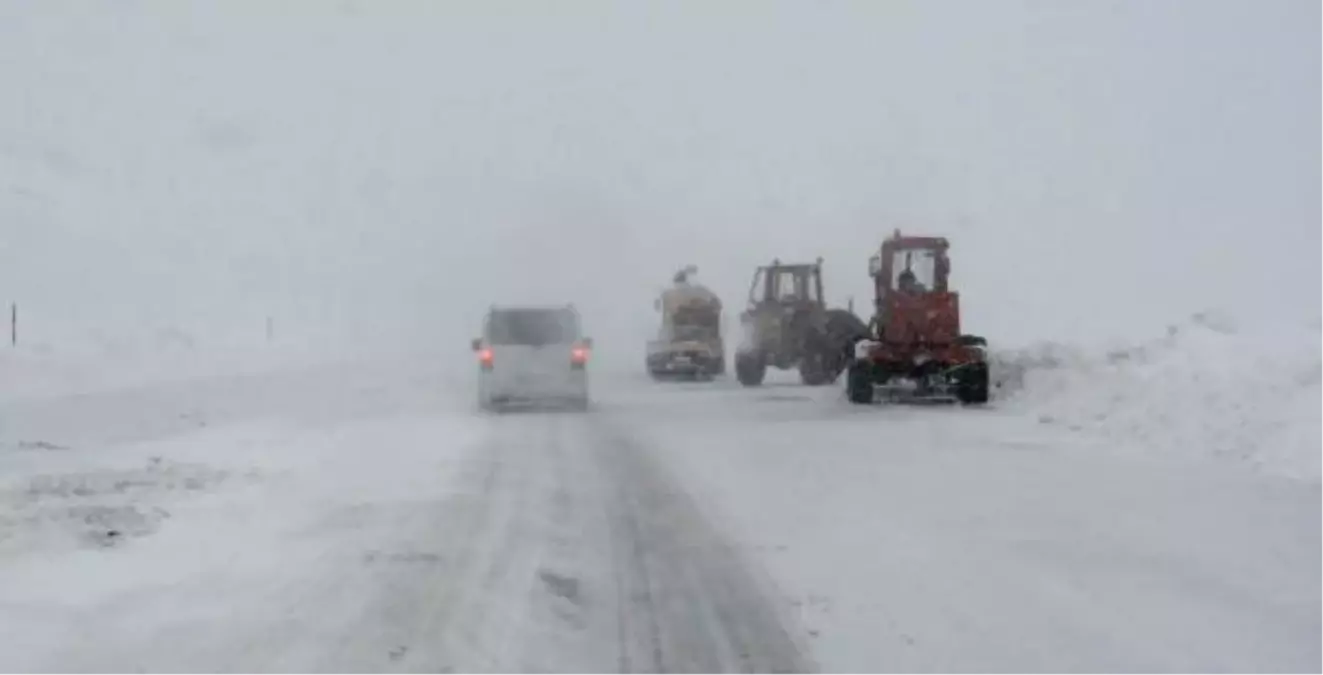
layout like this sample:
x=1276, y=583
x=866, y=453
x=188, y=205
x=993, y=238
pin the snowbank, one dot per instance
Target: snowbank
x=1209, y=388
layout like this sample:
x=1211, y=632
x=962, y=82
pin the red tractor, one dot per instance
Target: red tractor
x=916, y=351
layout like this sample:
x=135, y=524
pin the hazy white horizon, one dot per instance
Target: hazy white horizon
x=378, y=173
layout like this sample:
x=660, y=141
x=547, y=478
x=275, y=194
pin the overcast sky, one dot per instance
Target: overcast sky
x=382, y=171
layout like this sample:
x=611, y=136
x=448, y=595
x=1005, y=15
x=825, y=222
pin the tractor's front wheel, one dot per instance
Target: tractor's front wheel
x=750, y=368
x=859, y=383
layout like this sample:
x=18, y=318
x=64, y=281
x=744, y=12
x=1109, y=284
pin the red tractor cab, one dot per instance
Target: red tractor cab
x=916, y=349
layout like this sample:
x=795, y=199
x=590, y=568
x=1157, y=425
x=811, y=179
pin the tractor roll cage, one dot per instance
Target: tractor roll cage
x=884, y=272
x=808, y=282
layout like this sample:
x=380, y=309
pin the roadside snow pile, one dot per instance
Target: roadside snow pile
x=1209, y=388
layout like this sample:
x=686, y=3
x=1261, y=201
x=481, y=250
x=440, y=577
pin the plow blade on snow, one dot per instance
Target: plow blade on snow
x=915, y=393
x=869, y=381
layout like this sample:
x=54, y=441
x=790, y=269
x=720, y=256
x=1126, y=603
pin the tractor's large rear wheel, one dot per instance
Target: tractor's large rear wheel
x=843, y=331
x=750, y=368
x=845, y=327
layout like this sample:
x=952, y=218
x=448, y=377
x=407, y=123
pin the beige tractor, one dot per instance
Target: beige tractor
x=788, y=325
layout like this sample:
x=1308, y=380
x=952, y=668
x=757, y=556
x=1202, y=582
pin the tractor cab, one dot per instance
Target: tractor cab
x=785, y=308
x=792, y=286
x=913, y=300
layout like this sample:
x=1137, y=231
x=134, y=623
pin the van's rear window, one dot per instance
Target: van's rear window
x=532, y=327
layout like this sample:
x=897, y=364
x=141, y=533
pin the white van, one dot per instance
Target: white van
x=532, y=356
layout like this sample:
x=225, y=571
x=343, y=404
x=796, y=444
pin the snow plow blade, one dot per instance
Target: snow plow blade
x=909, y=393
x=870, y=381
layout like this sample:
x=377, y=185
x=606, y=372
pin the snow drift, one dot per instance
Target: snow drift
x=1208, y=388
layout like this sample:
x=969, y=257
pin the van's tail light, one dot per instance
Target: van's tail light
x=486, y=358
x=578, y=356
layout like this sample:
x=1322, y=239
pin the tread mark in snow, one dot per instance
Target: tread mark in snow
x=703, y=609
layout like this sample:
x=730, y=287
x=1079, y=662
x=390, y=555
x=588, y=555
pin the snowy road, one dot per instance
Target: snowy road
x=367, y=519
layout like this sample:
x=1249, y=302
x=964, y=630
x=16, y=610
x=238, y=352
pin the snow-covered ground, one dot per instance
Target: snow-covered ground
x=136, y=514
x=360, y=515
x=230, y=230
x=915, y=541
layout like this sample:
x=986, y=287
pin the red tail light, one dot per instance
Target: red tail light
x=486, y=357
x=579, y=356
